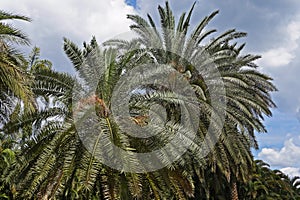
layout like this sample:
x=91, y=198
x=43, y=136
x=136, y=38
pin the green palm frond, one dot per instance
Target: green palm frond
x=10, y=34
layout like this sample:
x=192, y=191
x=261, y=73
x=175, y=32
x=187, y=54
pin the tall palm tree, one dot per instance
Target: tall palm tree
x=57, y=164
x=247, y=94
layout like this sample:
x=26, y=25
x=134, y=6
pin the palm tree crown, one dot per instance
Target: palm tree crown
x=14, y=80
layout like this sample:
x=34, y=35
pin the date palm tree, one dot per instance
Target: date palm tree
x=15, y=90
x=266, y=183
x=247, y=94
x=57, y=164
x=14, y=81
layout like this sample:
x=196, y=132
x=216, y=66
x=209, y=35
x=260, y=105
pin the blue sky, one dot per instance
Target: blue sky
x=131, y=3
x=273, y=29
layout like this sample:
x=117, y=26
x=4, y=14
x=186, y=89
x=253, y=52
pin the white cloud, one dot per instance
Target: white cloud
x=293, y=30
x=284, y=53
x=291, y=171
x=276, y=57
x=75, y=19
x=287, y=156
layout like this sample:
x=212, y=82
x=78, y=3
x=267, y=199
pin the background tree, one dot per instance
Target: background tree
x=266, y=183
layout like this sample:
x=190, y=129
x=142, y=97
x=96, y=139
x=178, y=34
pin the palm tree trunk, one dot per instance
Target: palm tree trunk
x=234, y=191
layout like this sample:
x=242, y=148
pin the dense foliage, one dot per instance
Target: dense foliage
x=42, y=155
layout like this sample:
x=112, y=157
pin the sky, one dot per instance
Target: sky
x=273, y=29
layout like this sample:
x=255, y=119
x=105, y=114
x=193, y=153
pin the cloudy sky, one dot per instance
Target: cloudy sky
x=273, y=29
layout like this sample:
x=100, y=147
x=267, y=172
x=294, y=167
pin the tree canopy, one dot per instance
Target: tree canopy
x=72, y=137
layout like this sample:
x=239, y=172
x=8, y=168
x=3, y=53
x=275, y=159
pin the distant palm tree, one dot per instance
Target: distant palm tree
x=266, y=183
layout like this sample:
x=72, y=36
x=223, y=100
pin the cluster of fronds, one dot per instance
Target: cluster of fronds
x=61, y=145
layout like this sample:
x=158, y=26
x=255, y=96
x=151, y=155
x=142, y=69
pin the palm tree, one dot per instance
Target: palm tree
x=247, y=90
x=58, y=164
x=14, y=92
x=14, y=81
x=9, y=34
x=266, y=183
x=38, y=128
